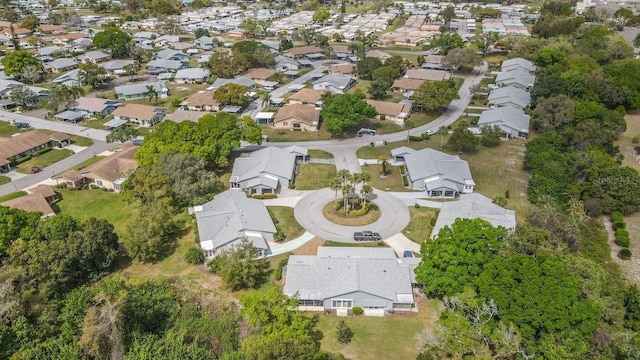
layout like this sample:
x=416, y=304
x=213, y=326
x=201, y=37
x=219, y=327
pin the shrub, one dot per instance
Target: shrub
x=405, y=182
x=359, y=212
x=357, y=310
x=425, y=136
x=415, y=138
x=40, y=152
x=593, y=207
x=619, y=225
x=194, y=255
x=636, y=139
x=617, y=216
x=279, y=235
x=176, y=102
x=622, y=240
x=21, y=160
x=624, y=254
x=433, y=221
x=341, y=212
x=622, y=232
x=401, y=169
x=500, y=201
x=507, y=194
x=372, y=144
x=292, y=186
x=344, y=333
x=281, y=264
x=265, y=196
x=417, y=206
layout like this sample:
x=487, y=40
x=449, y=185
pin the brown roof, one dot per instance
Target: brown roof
x=343, y=68
x=70, y=175
x=304, y=113
x=407, y=84
x=14, y=145
x=70, y=36
x=113, y=166
x=45, y=28
x=59, y=136
x=181, y=45
x=259, y=73
x=202, y=98
x=138, y=111
x=91, y=104
x=33, y=202
x=308, y=96
x=433, y=59
x=44, y=190
x=304, y=50
x=430, y=75
x=378, y=54
x=389, y=108
x=184, y=115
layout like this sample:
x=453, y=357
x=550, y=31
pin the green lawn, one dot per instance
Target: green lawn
x=419, y=228
x=4, y=180
x=370, y=152
x=97, y=124
x=44, y=160
x=314, y=176
x=7, y=129
x=389, y=337
x=12, y=196
x=286, y=222
x=88, y=162
x=474, y=111
x=393, y=181
x=144, y=131
x=320, y=154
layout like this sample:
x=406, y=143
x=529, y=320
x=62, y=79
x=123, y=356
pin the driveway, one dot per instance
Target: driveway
x=399, y=243
x=308, y=212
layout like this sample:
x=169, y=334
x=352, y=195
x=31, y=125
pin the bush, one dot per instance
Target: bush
x=43, y=151
x=507, y=194
x=433, y=221
x=405, y=182
x=279, y=235
x=176, y=102
x=417, y=206
x=593, y=207
x=415, y=138
x=622, y=232
x=619, y=225
x=401, y=169
x=636, y=139
x=24, y=159
x=624, y=254
x=292, y=186
x=359, y=212
x=622, y=239
x=341, y=212
x=194, y=255
x=281, y=264
x=425, y=136
x=344, y=333
x=357, y=310
x=265, y=196
x=617, y=216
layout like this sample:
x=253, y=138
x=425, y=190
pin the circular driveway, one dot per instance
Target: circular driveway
x=393, y=219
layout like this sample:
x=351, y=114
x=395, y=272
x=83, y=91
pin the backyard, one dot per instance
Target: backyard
x=44, y=160
x=284, y=220
x=421, y=224
x=313, y=176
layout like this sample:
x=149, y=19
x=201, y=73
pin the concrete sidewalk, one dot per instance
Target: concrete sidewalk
x=290, y=245
x=399, y=243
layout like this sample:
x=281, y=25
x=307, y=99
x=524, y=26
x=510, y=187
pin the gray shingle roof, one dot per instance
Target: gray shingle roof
x=192, y=73
x=429, y=163
x=141, y=88
x=512, y=94
x=240, y=80
x=62, y=63
x=507, y=116
x=116, y=64
x=518, y=76
x=165, y=64
x=518, y=63
x=257, y=165
x=338, y=80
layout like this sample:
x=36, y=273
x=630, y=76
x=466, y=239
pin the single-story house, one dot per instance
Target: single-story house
x=378, y=54
x=238, y=80
x=438, y=174
x=116, y=67
x=45, y=190
x=183, y=46
x=31, y=203
x=518, y=64
x=201, y=101
x=71, y=78
x=405, y=85
x=163, y=40
x=141, y=90
x=94, y=57
x=285, y=63
x=60, y=139
x=145, y=115
x=169, y=54
x=112, y=171
x=391, y=111
x=474, y=206
x=434, y=62
x=60, y=65
x=70, y=116
x=228, y=219
x=307, y=96
x=259, y=75
x=160, y=65
x=427, y=75
x=114, y=124
x=191, y=76
x=516, y=78
x=341, y=278
x=204, y=42
x=297, y=116
x=509, y=96
x=263, y=171
x=336, y=83
x=513, y=122
x=14, y=148
x=94, y=106
x=302, y=51
x=51, y=51
x=264, y=118
x=347, y=69
x=181, y=115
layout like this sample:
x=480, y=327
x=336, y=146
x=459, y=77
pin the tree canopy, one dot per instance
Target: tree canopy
x=16, y=61
x=238, y=266
x=431, y=95
x=343, y=111
x=114, y=40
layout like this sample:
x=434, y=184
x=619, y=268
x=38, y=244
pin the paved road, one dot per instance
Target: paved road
x=308, y=212
x=95, y=134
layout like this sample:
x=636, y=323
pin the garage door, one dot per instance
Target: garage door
x=373, y=312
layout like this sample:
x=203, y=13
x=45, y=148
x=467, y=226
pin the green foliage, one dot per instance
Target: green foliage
x=491, y=136
x=344, y=334
x=256, y=53
x=200, y=32
x=624, y=254
x=265, y=196
x=622, y=237
x=190, y=182
x=212, y=138
x=14, y=220
x=194, y=255
x=278, y=270
x=227, y=65
x=122, y=134
x=367, y=66
x=631, y=304
x=616, y=216
x=151, y=238
x=619, y=225
x=356, y=310
x=115, y=40
x=344, y=111
x=446, y=42
x=431, y=95
x=457, y=256
x=463, y=140
x=15, y=62
x=232, y=94
x=239, y=267
x=24, y=97
x=93, y=75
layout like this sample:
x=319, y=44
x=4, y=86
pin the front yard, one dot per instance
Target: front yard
x=393, y=181
x=4, y=180
x=313, y=176
x=44, y=160
x=7, y=129
x=320, y=154
x=286, y=222
x=421, y=224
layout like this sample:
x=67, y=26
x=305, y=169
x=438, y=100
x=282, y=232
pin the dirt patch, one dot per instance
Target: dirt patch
x=310, y=248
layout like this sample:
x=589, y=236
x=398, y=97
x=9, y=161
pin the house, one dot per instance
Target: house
x=519, y=64
x=302, y=51
x=112, y=171
x=434, y=62
x=378, y=54
x=513, y=122
x=93, y=57
x=341, y=278
x=45, y=190
x=259, y=75
x=509, y=96
x=204, y=42
x=238, y=80
x=191, y=76
x=60, y=139
x=116, y=67
x=474, y=206
x=391, y=111
x=183, y=46
x=346, y=69
x=169, y=54
x=427, y=75
x=516, y=78
x=31, y=203
x=60, y=65
x=25, y=144
x=69, y=79
x=159, y=65
x=163, y=40
x=201, y=101
x=264, y=118
x=264, y=171
x=141, y=90
x=284, y=63
x=67, y=38
x=145, y=115
x=307, y=96
x=94, y=106
x=336, y=83
x=181, y=115
x=405, y=85
x=70, y=116
x=438, y=174
x=297, y=117
x=51, y=51
x=228, y=219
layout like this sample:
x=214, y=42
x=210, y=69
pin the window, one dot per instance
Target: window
x=285, y=123
x=436, y=193
x=310, y=303
x=296, y=126
x=342, y=304
x=448, y=193
x=99, y=182
x=402, y=306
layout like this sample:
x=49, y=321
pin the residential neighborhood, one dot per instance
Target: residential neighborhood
x=389, y=179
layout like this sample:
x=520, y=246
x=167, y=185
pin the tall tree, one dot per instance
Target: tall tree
x=239, y=267
x=343, y=111
x=93, y=75
x=151, y=238
x=431, y=95
x=232, y=94
x=191, y=183
x=446, y=42
x=24, y=97
x=16, y=61
x=115, y=40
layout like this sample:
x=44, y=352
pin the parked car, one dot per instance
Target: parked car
x=364, y=131
x=366, y=236
x=430, y=132
x=22, y=125
x=35, y=169
x=407, y=254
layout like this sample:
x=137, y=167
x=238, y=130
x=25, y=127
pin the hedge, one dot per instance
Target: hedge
x=265, y=196
x=622, y=238
x=624, y=254
x=359, y=212
x=617, y=216
x=425, y=136
x=24, y=159
x=405, y=182
x=415, y=138
x=619, y=225
x=281, y=264
x=40, y=152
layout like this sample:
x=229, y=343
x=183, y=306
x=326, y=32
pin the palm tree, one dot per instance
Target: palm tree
x=382, y=159
x=363, y=177
x=442, y=131
x=132, y=69
x=334, y=184
x=265, y=96
x=150, y=93
x=365, y=191
x=408, y=124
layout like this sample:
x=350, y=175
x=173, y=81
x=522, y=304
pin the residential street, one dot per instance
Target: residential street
x=60, y=126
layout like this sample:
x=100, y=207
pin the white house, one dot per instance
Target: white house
x=513, y=122
x=438, y=174
x=336, y=83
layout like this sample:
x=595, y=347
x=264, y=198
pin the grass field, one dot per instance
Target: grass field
x=320, y=154
x=393, y=181
x=13, y=195
x=314, y=176
x=97, y=124
x=370, y=152
x=389, y=337
x=419, y=228
x=44, y=160
x=4, y=180
x=75, y=139
x=286, y=222
x=7, y=129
